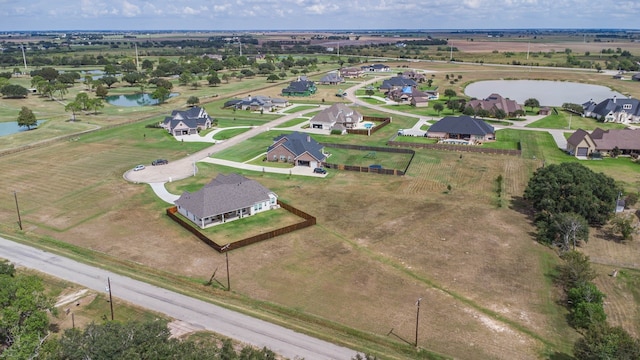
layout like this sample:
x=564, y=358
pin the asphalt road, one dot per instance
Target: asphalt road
x=198, y=314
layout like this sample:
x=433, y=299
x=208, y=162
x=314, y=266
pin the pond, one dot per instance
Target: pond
x=8, y=128
x=548, y=93
x=134, y=100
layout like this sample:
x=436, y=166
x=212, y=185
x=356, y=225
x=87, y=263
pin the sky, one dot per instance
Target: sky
x=220, y=15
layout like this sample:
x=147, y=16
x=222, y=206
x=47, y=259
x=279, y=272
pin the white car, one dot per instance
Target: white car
x=138, y=167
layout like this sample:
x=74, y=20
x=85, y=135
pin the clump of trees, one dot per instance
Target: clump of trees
x=567, y=199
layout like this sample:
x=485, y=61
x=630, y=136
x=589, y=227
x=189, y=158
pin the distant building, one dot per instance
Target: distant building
x=187, y=122
x=494, y=103
x=623, y=111
x=300, y=87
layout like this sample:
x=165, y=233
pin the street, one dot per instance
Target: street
x=199, y=314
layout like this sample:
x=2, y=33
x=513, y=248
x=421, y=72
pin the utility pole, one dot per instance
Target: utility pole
x=226, y=254
x=15, y=195
x=110, y=298
x=417, y=319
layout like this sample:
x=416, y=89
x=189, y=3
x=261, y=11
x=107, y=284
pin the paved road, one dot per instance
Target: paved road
x=198, y=314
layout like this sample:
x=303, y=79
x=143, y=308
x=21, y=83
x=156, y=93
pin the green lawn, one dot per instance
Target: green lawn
x=228, y=134
x=293, y=122
x=295, y=109
x=562, y=120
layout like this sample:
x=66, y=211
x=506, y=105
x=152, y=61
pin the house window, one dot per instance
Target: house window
x=626, y=106
x=289, y=159
x=275, y=157
x=282, y=158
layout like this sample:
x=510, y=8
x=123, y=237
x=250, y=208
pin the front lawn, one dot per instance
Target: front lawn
x=562, y=120
x=229, y=133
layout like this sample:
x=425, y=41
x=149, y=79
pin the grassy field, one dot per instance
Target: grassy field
x=380, y=242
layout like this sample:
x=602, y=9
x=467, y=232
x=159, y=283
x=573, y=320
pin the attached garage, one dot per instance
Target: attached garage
x=582, y=151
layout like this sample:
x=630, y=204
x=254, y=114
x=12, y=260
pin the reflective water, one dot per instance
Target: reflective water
x=8, y=128
x=548, y=93
x=134, y=99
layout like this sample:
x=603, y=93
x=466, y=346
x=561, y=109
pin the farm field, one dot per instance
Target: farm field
x=380, y=242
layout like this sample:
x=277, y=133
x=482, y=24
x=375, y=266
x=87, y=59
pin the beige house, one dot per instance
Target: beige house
x=581, y=144
x=336, y=117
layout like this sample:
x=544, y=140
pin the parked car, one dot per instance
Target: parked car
x=319, y=171
x=159, y=162
x=138, y=167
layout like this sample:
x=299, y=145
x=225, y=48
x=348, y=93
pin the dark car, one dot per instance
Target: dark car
x=159, y=162
x=319, y=171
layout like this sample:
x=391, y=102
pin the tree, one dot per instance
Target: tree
x=570, y=229
x=95, y=105
x=108, y=80
x=161, y=94
x=27, y=118
x=213, y=80
x=14, y=91
x=147, y=65
x=587, y=292
x=193, y=100
x=369, y=92
x=88, y=81
x=500, y=114
x=429, y=82
x=575, y=270
x=438, y=107
x=273, y=78
x=602, y=341
x=449, y=93
x=74, y=107
x=532, y=103
x=133, y=78
x=585, y=314
x=101, y=91
x=23, y=314
x=572, y=187
x=624, y=225
x=185, y=78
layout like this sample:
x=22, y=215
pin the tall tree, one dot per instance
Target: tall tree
x=14, y=91
x=161, y=94
x=532, y=103
x=602, y=341
x=438, y=107
x=450, y=93
x=101, y=91
x=74, y=107
x=27, y=118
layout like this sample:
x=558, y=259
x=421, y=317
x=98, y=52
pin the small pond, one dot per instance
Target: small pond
x=548, y=93
x=8, y=128
x=134, y=99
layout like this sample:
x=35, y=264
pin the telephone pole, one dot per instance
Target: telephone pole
x=226, y=254
x=110, y=298
x=15, y=196
x=417, y=319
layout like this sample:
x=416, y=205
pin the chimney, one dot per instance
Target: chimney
x=614, y=99
x=308, y=138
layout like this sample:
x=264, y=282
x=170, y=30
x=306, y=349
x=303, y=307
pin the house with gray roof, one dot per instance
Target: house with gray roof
x=581, y=144
x=332, y=78
x=397, y=82
x=187, y=122
x=336, y=117
x=257, y=103
x=351, y=72
x=297, y=148
x=225, y=198
x=300, y=87
x=375, y=68
x=462, y=128
x=623, y=111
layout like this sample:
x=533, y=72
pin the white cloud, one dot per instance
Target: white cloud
x=129, y=9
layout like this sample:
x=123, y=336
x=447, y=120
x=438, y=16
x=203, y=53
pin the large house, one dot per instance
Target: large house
x=300, y=87
x=581, y=144
x=297, y=148
x=412, y=96
x=257, y=103
x=187, y=122
x=352, y=72
x=336, y=117
x=375, y=68
x=462, y=128
x=332, y=78
x=397, y=82
x=495, y=102
x=225, y=198
x=623, y=111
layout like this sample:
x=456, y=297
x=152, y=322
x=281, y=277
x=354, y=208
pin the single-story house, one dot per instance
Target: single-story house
x=297, y=148
x=257, y=103
x=462, y=128
x=300, y=87
x=332, y=78
x=336, y=117
x=375, y=68
x=225, y=198
x=352, y=72
x=416, y=76
x=581, y=144
x=187, y=122
x=411, y=95
x=636, y=77
x=623, y=111
x=496, y=102
x=545, y=110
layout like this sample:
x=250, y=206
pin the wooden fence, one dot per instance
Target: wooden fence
x=449, y=147
x=382, y=123
x=308, y=221
x=366, y=168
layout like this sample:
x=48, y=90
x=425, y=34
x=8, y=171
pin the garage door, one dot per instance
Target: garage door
x=582, y=151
